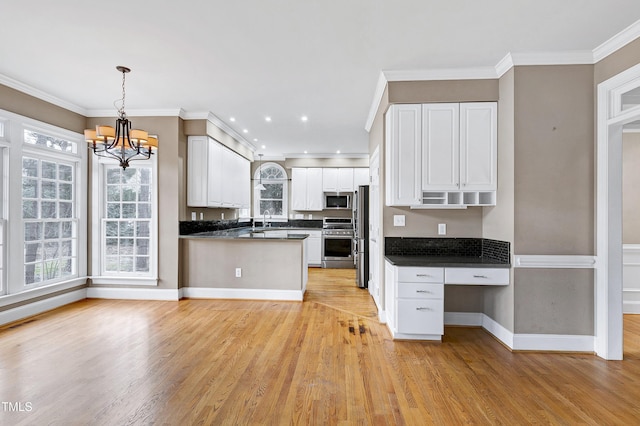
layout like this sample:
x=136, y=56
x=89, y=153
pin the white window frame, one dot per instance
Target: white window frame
x=285, y=192
x=12, y=150
x=98, y=208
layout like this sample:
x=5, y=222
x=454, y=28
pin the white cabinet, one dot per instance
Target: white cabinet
x=360, y=177
x=344, y=179
x=415, y=302
x=216, y=176
x=314, y=247
x=477, y=276
x=441, y=155
x=306, y=189
x=403, y=155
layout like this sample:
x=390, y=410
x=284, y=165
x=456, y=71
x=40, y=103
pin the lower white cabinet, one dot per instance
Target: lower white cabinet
x=477, y=276
x=314, y=247
x=415, y=302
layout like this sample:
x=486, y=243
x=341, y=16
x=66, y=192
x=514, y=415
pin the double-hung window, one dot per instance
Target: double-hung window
x=125, y=223
x=42, y=208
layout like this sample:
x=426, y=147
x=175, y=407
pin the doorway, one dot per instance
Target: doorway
x=617, y=107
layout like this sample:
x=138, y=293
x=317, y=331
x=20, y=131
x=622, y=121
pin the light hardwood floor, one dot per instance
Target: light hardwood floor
x=324, y=361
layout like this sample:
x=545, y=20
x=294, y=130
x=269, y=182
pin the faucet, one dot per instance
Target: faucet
x=264, y=222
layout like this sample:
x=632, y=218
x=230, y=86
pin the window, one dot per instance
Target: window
x=271, y=201
x=49, y=220
x=42, y=209
x=125, y=224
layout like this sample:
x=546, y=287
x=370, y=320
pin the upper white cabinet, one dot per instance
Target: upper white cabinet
x=306, y=189
x=344, y=179
x=441, y=155
x=360, y=177
x=216, y=176
x=403, y=155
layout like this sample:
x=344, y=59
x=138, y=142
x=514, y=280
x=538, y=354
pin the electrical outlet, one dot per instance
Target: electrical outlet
x=442, y=229
x=398, y=220
x=222, y=216
x=238, y=272
x=201, y=216
x=193, y=215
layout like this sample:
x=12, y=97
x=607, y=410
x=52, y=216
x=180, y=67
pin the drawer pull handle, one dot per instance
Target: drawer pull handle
x=423, y=309
x=480, y=276
x=423, y=291
x=423, y=275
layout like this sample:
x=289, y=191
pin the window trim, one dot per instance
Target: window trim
x=99, y=166
x=13, y=149
x=285, y=192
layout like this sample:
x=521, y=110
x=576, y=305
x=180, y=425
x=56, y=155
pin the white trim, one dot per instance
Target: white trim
x=497, y=330
x=41, y=306
x=132, y=293
x=631, y=279
x=631, y=307
x=10, y=299
x=40, y=94
x=216, y=121
x=476, y=73
x=377, y=98
x=522, y=342
x=555, y=261
x=121, y=280
x=467, y=319
x=617, y=42
x=567, y=57
x=315, y=156
x=242, y=293
x=553, y=342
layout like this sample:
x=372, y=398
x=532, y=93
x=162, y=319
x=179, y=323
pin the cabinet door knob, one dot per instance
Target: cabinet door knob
x=480, y=276
x=422, y=308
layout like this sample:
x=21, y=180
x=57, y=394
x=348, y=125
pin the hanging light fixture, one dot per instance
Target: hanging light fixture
x=260, y=186
x=122, y=143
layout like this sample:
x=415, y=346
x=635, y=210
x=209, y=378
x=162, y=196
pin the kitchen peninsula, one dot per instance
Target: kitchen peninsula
x=245, y=263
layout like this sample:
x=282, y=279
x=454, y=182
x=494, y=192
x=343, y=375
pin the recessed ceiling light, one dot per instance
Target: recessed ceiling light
x=264, y=147
x=245, y=131
x=267, y=119
x=255, y=139
x=305, y=152
x=232, y=119
x=304, y=118
x=338, y=152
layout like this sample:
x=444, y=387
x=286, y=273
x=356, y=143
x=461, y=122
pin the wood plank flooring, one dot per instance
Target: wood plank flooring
x=325, y=361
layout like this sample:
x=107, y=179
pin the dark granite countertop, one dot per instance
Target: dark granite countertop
x=249, y=233
x=446, y=261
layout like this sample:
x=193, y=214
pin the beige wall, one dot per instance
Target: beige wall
x=28, y=106
x=408, y=92
x=170, y=185
x=619, y=61
x=554, y=160
x=630, y=188
x=498, y=221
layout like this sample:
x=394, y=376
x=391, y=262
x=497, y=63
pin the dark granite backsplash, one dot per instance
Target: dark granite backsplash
x=188, y=227
x=449, y=247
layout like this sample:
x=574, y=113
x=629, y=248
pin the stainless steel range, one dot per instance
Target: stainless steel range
x=337, y=242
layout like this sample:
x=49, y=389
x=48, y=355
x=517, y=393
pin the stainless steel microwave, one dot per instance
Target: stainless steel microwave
x=337, y=201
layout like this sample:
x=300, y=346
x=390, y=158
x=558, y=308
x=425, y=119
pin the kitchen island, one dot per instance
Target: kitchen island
x=245, y=263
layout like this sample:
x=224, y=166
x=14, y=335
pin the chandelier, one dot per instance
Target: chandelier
x=122, y=143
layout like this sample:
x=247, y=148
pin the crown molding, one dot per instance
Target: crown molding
x=316, y=156
x=40, y=94
x=377, y=98
x=477, y=73
x=618, y=41
x=567, y=57
x=216, y=121
x=169, y=112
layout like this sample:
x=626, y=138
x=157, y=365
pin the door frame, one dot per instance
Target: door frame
x=611, y=118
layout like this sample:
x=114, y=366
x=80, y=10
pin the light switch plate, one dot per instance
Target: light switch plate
x=442, y=229
x=398, y=220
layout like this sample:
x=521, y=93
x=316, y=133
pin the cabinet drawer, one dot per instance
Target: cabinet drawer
x=420, y=275
x=420, y=291
x=424, y=316
x=477, y=276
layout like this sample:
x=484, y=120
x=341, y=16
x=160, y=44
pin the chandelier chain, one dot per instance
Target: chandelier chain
x=121, y=111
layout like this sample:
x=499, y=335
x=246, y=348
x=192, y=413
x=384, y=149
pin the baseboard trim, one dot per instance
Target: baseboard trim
x=631, y=307
x=132, y=293
x=246, y=293
x=523, y=342
x=35, y=308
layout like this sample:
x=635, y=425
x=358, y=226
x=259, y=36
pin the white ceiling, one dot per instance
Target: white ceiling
x=280, y=58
